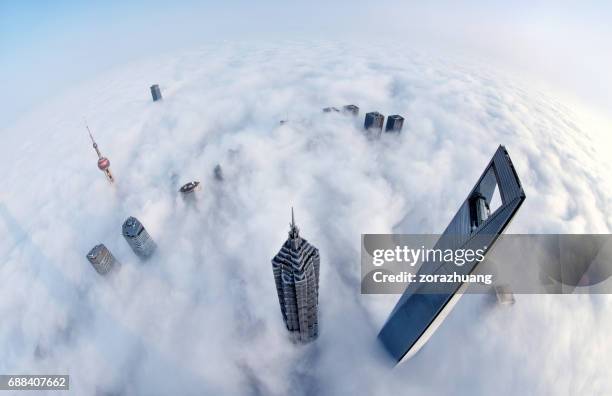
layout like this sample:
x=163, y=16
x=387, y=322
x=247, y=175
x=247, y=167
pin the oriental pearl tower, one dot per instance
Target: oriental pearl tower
x=103, y=162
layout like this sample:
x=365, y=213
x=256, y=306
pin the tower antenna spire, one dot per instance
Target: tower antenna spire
x=294, y=231
x=89, y=131
x=95, y=145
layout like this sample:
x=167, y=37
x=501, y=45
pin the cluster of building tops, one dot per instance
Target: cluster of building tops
x=374, y=121
x=296, y=266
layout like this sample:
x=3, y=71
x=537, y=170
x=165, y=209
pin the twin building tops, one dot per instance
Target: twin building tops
x=136, y=236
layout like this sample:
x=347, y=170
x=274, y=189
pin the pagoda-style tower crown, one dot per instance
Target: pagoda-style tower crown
x=296, y=274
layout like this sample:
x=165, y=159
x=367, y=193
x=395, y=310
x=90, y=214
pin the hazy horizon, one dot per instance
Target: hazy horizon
x=49, y=48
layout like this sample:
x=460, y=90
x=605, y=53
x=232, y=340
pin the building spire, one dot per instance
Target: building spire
x=294, y=231
x=95, y=145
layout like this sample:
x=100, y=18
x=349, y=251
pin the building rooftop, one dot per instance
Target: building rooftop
x=189, y=187
x=95, y=251
x=131, y=227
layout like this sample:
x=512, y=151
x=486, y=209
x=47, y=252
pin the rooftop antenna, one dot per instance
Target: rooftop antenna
x=95, y=145
x=294, y=231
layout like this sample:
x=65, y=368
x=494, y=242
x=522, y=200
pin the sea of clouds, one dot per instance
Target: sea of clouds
x=202, y=316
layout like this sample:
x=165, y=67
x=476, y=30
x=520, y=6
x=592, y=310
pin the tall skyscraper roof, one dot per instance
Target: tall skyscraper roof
x=218, y=172
x=394, y=123
x=374, y=122
x=189, y=187
x=296, y=273
x=156, y=93
x=101, y=259
x=138, y=238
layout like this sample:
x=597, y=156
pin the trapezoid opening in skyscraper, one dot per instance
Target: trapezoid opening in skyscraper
x=423, y=307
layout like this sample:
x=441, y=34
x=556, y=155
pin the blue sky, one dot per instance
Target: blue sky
x=47, y=47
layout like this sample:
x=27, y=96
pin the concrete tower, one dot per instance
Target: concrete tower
x=138, y=238
x=103, y=162
x=101, y=259
x=296, y=273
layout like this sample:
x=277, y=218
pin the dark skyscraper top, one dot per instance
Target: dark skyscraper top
x=156, y=93
x=394, y=123
x=352, y=109
x=190, y=187
x=218, y=172
x=374, y=121
x=296, y=273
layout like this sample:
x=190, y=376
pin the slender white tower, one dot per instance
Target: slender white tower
x=103, y=162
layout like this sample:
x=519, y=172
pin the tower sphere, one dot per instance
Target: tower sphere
x=103, y=163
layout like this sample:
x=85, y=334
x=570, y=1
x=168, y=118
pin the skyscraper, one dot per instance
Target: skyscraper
x=103, y=162
x=138, y=238
x=352, y=109
x=101, y=259
x=156, y=93
x=374, y=122
x=218, y=172
x=394, y=123
x=296, y=273
x=482, y=217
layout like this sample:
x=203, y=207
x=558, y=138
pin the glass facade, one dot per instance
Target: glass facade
x=419, y=310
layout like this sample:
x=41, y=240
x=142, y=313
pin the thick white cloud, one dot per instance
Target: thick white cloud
x=202, y=316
